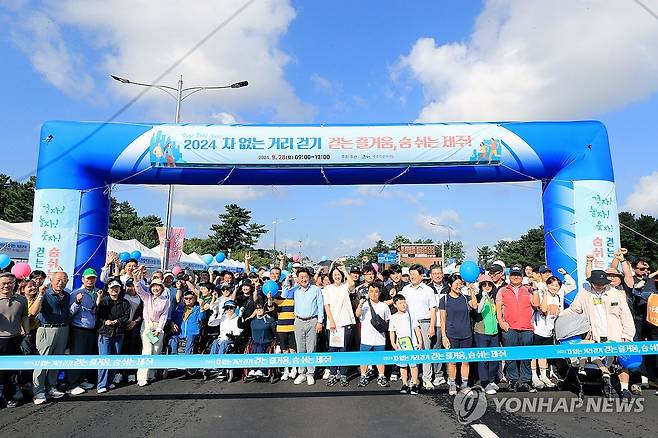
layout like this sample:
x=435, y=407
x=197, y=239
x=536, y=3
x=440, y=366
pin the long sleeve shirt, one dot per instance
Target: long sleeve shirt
x=113, y=310
x=309, y=302
x=54, y=308
x=156, y=309
x=83, y=315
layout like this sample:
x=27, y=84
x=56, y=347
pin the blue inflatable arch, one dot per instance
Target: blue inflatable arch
x=78, y=162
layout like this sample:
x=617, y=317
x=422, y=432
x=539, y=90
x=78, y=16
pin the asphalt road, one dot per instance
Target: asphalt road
x=193, y=408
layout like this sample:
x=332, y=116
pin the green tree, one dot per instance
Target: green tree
x=639, y=245
x=399, y=240
x=530, y=248
x=372, y=252
x=200, y=246
x=423, y=241
x=126, y=224
x=485, y=256
x=16, y=199
x=234, y=232
x=454, y=249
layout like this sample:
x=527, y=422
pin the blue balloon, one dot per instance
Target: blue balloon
x=4, y=261
x=220, y=257
x=470, y=271
x=284, y=274
x=270, y=287
x=124, y=256
x=324, y=259
x=630, y=362
x=207, y=259
x=136, y=255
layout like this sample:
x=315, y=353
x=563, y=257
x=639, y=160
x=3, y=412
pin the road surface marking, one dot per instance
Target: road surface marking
x=484, y=431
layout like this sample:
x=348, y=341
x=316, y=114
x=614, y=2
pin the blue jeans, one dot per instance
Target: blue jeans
x=518, y=370
x=487, y=371
x=220, y=347
x=347, y=342
x=108, y=346
x=190, y=342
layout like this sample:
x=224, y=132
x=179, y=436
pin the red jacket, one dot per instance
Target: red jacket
x=516, y=312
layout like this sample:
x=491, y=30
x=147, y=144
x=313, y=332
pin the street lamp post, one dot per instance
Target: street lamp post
x=179, y=98
x=443, y=255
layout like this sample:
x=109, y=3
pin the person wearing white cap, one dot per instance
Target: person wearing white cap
x=155, y=314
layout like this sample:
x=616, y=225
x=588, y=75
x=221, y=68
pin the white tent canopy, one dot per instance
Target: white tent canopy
x=150, y=258
x=15, y=239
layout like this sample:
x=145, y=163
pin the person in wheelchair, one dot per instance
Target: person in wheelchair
x=610, y=320
x=263, y=328
x=228, y=335
x=186, y=323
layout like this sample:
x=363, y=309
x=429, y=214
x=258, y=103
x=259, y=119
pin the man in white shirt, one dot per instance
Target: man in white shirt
x=441, y=289
x=422, y=308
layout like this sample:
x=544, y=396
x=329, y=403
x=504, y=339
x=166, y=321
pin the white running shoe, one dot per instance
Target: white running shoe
x=251, y=373
x=394, y=378
x=76, y=391
x=490, y=390
x=101, y=390
x=54, y=393
x=293, y=372
x=40, y=399
x=300, y=379
x=310, y=380
x=259, y=373
x=438, y=381
x=142, y=384
x=326, y=374
x=428, y=385
x=538, y=384
x=548, y=383
x=285, y=375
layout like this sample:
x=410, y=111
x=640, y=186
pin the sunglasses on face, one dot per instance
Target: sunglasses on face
x=188, y=299
x=643, y=269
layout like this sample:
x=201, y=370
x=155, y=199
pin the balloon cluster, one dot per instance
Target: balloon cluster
x=125, y=256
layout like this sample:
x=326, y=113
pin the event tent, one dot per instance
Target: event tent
x=15, y=239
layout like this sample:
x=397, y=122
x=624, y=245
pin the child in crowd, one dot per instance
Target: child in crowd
x=405, y=335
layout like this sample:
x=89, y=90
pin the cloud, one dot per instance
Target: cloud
x=539, y=60
x=41, y=40
x=481, y=226
x=373, y=192
x=449, y=218
x=206, y=202
x=225, y=118
x=321, y=82
x=644, y=198
x=141, y=46
x=374, y=237
x=347, y=202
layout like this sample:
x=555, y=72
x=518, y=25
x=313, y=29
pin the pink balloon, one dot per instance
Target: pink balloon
x=376, y=266
x=21, y=270
x=177, y=270
x=295, y=258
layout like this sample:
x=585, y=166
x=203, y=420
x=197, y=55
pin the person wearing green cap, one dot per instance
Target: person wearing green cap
x=82, y=330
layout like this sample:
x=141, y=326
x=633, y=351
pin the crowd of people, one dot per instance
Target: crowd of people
x=333, y=308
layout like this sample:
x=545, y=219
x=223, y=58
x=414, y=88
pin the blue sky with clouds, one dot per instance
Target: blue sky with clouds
x=343, y=62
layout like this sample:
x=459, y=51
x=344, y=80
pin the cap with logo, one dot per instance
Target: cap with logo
x=89, y=272
x=516, y=270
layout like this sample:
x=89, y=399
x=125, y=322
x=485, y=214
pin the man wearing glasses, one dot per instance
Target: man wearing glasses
x=13, y=319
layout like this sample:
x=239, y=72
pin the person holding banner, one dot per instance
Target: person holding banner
x=340, y=317
x=155, y=314
x=610, y=319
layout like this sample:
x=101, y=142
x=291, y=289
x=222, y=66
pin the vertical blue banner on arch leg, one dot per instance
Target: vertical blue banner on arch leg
x=54, y=227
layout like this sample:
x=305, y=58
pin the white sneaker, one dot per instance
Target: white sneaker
x=310, y=380
x=490, y=390
x=548, y=383
x=285, y=375
x=101, y=390
x=293, y=372
x=644, y=382
x=86, y=385
x=132, y=379
x=394, y=378
x=251, y=373
x=300, y=379
x=40, y=399
x=494, y=386
x=76, y=391
x=428, y=385
x=538, y=384
x=54, y=393
x=326, y=374
x=438, y=381
x=259, y=373
x=118, y=378
x=142, y=383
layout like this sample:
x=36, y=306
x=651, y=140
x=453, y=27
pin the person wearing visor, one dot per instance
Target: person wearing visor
x=610, y=320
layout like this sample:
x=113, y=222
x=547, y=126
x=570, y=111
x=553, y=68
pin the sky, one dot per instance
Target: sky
x=342, y=62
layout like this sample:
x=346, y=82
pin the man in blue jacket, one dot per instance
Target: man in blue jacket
x=186, y=322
